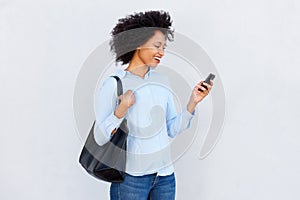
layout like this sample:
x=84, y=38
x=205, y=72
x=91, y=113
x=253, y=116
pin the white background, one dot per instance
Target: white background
x=254, y=45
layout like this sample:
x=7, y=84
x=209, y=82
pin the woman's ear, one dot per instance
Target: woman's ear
x=140, y=47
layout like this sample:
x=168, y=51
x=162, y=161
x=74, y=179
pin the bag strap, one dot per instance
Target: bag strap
x=123, y=125
x=119, y=87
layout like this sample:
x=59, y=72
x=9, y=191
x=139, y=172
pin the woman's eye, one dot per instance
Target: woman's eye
x=158, y=47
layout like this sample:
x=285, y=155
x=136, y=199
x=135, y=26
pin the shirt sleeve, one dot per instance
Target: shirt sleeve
x=176, y=123
x=105, y=105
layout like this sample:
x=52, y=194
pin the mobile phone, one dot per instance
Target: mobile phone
x=207, y=80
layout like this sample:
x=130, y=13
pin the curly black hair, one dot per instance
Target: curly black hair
x=134, y=30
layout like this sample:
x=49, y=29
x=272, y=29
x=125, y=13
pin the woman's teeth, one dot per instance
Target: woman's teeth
x=157, y=58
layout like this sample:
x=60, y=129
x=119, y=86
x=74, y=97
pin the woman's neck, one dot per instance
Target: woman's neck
x=139, y=70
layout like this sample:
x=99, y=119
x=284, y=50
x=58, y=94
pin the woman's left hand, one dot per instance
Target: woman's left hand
x=197, y=95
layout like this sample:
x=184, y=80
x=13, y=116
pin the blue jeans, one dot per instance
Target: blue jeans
x=148, y=187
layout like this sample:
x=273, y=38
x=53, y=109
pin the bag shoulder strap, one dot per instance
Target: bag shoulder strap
x=120, y=92
x=119, y=86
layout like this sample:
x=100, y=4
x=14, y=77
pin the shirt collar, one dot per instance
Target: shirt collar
x=121, y=73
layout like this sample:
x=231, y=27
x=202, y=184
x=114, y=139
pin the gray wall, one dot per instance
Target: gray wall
x=254, y=45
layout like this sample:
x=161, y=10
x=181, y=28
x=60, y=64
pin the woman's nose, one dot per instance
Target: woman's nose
x=161, y=51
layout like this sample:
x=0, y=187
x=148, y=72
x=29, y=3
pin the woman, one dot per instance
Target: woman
x=139, y=40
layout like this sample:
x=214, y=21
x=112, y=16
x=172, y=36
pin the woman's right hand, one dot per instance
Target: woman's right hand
x=127, y=100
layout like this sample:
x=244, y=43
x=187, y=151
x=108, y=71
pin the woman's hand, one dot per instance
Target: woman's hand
x=127, y=100
x=197, y=95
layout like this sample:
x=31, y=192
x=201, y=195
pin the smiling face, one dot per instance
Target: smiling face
x=152, y=51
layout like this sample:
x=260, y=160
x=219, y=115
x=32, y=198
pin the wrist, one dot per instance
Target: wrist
x=191, y=106
x=121, y=110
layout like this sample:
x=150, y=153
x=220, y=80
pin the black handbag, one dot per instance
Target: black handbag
x=107, y=162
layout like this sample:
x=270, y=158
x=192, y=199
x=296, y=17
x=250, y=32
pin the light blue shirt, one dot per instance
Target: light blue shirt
x=152, y=120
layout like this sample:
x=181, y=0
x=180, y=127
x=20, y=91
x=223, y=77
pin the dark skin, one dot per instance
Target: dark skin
x=149, y=54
